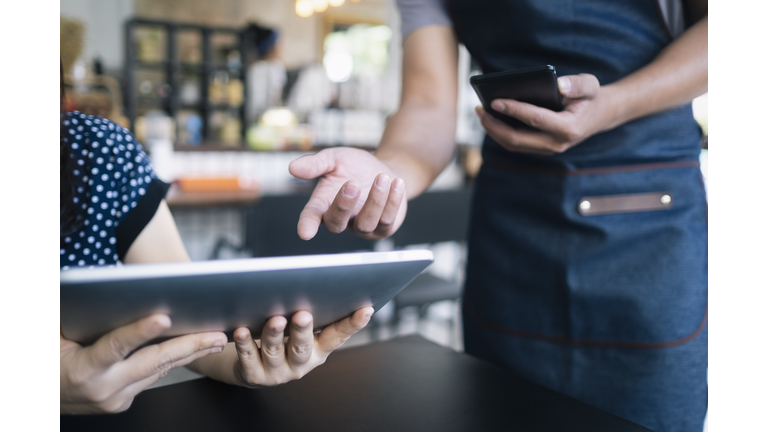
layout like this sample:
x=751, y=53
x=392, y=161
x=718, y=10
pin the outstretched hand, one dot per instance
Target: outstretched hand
x=357, y=192
x=587, y=110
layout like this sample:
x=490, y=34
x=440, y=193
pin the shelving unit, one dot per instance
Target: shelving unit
x=173, y=68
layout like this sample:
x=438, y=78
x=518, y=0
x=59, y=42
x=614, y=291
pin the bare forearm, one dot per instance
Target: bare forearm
x=419, y=140
x=418, y=144
x=678, y=75
x=159, y=241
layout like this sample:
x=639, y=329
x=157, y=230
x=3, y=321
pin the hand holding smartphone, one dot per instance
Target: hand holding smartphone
x=536, y=86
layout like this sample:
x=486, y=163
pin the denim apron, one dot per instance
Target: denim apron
x=608, y=307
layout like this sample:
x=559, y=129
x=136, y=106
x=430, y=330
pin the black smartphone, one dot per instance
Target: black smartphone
x=536, y=86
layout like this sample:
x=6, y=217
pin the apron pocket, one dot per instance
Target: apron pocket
x=625, y=203
x=629, y=271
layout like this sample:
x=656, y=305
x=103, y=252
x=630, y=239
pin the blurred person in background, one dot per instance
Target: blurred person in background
x=610, y=309
x=266, y=73
x=112, y=209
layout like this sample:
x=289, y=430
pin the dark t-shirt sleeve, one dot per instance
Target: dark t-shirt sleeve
x=421, y=13
x=138, y=217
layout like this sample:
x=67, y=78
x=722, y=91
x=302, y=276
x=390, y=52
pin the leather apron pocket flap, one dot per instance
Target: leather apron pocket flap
x=624, y=203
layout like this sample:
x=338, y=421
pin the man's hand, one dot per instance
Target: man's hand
x=587, y=110
x=357, y=192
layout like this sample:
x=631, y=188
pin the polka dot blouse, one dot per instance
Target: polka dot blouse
x=116, y=191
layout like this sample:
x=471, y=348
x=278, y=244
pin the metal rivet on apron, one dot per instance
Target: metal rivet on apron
x=585, y=205
x=666, y=199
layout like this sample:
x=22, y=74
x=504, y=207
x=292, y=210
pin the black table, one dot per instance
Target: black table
x=405, y=384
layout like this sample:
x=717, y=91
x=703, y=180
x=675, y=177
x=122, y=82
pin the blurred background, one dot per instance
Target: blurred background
x=224, y=95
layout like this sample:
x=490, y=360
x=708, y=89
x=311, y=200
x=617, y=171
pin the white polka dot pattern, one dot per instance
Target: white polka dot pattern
x=111, y=173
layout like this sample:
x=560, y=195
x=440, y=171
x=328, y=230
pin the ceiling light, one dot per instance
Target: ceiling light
x=320, y=5
x=305, y=8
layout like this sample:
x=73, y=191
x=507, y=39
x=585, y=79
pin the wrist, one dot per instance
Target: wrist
x=393, y=161
x=615, y=106
x=399, y=167
x=412, y=170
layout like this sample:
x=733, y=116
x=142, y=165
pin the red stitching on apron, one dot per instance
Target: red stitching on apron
x=583, y=342
x=588, y=171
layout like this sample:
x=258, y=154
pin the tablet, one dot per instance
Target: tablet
x=228, y=294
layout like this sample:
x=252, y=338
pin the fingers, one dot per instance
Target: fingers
x=272, y=349
x=249, y=370
x=247, y=350
x=136, y=382
x=336, y=334
x=391, y=209
x=368, y=219
x=312, y=215
x=117, y=344
x=301, y=340
x=578, y=86
x=562, y=129
x=380, y=209
x=309, y=167
x=375, y=220
x=516, y=139
x=335, y=203
x=532, y=115
x=309, y=221
x=337, y=217
x=160, y=358
x=127, y=394
x=313, y=166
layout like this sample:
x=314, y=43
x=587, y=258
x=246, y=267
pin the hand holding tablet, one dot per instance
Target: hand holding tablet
x=100, y=379
x=276, y=362
x=191, y=304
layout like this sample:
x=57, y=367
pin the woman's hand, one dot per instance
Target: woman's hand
x=100, y=379
x=278, y=362
x=587, y=110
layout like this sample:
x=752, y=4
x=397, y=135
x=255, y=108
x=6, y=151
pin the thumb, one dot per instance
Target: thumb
x=313, y=166
x=578, y=86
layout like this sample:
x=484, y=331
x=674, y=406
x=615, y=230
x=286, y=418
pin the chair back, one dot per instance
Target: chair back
x=270, y=230
x=435, y=217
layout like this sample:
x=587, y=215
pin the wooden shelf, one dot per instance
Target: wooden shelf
x=176, y=71
x=218, y=147
x=177, y=198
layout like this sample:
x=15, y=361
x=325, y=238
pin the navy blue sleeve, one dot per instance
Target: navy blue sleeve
x=123, y=179
x=139, y=191
x=117, y=192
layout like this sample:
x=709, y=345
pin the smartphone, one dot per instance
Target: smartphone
x=536, y=85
